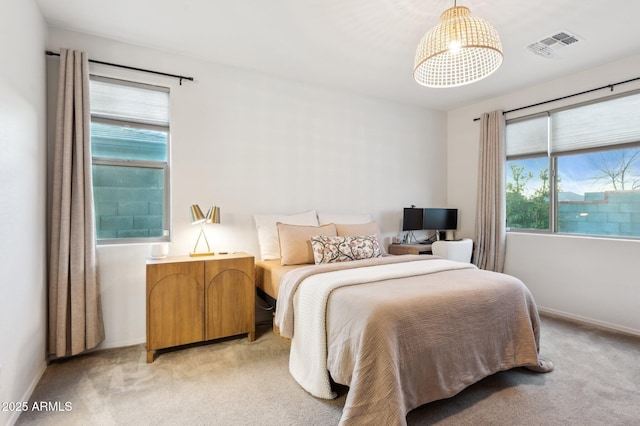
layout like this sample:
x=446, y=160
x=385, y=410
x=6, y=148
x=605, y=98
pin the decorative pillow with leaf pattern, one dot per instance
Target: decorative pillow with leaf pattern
x=328, y=249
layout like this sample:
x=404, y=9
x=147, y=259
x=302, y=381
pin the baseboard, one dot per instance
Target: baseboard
x=590, y=321
x=27, y=394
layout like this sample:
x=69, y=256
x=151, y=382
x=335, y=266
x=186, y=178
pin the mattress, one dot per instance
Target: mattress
x=269, y=274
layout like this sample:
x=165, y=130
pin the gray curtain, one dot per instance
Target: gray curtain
x=490, y=207
x=75, y=314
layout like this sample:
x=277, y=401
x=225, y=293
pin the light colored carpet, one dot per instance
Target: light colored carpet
x=596, y=381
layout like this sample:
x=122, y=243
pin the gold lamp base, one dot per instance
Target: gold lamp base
x=193, y=254
x=213, y=216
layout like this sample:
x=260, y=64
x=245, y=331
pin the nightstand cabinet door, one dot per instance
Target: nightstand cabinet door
x=230, y=297
x=175, y=303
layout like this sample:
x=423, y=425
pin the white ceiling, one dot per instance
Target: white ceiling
x=361, y=46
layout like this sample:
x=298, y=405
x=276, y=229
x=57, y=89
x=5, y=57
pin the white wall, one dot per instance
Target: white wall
x=252, y=143
x=590, y=279
x=22, y=202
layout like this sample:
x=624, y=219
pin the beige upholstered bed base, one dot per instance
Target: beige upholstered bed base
x=269, y=273
x=268, y=276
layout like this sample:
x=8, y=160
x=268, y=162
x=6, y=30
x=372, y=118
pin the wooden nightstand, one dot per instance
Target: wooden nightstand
x=409, y=249
x=195, y=299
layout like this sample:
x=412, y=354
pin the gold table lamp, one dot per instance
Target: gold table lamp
x=197, y=218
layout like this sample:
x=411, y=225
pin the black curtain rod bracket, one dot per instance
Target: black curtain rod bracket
x=179, y=77
x=608, y=86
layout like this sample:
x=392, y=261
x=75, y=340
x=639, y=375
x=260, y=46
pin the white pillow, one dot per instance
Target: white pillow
x=268, y=233
x=347, y=218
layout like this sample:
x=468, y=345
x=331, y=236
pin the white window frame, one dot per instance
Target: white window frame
x=160, y=165
x=552, y=160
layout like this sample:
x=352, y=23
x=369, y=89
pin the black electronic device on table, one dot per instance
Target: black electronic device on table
x=440, y=219
x=412, y=219
x=432, y=219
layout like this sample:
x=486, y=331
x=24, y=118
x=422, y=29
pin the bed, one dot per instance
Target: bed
x=399, y=331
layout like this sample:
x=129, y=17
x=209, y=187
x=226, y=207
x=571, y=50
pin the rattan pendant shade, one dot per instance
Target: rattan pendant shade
x=460, y=50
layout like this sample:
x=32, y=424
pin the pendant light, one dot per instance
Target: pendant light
x=460, y=50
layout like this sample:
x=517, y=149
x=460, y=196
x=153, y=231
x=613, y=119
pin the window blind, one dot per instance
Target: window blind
x=528, y=136
x=129, y=101
x=606, y=123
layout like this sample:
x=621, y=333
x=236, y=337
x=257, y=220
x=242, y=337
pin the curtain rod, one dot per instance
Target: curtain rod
x=608, y=86
x=180, y=77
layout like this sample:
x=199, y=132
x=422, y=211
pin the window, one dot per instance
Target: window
x=130, y=161
x=576, y=170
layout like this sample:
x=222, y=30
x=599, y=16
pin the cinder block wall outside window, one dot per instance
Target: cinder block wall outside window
x=125, y=205
x=602, y=213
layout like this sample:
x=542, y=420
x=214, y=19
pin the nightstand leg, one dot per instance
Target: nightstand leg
x=149, y=357
x=252, y=336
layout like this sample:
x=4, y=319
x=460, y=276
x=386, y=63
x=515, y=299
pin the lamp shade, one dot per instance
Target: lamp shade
x=460, y=50
x=213, y=215
x=196, y=214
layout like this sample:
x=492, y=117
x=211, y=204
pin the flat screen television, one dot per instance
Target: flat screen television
x=439, y=219
x=412, y=219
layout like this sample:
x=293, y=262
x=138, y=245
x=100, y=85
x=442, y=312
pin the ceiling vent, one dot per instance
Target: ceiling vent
x=549, y=46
